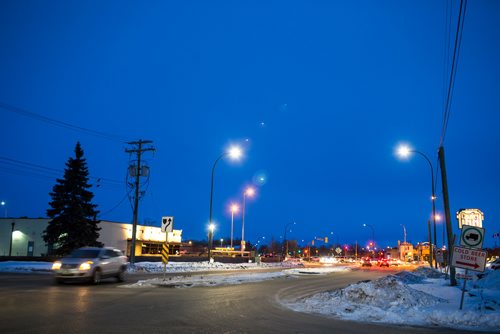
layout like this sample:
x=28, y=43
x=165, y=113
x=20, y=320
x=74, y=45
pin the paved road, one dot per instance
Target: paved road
x=33, y=304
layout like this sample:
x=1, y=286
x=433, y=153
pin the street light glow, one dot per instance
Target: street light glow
x=234, y=208
x=250, y=191
x=211, y=227
x=2, y=203
x=403, y=151
x=234, y=152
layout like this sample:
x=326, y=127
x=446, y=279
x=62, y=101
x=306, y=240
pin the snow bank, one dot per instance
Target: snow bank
x=412, y=299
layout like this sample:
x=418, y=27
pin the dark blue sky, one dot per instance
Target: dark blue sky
x=337, y=84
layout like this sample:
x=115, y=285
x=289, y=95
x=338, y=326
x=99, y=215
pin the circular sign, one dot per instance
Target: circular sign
x=472, y=236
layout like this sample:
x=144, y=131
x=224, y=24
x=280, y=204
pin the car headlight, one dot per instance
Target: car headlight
x=86, y=265
x=56, y=265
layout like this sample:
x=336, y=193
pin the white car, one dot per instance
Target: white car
x=494, y=264
x=91, y=264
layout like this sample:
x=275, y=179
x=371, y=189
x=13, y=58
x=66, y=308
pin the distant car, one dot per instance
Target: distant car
x=394, y=262
x=366, y=262
x=383, y=262
x=494, y=265
x=91, y=264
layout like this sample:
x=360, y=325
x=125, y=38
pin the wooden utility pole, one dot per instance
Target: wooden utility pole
x=137, y=172
x=446, y=201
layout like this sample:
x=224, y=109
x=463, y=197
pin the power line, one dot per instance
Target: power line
x=51, y=172
x=62, y=124
x=454, y=64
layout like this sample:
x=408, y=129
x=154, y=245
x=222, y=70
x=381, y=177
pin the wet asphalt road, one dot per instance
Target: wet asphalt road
x=32, y=303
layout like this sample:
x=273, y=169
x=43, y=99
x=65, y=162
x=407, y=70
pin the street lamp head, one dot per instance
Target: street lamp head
x=235, y=152
x=234, y=208
x=2, y=203
x=250, y=191
x=211, y=227
x=404, y=151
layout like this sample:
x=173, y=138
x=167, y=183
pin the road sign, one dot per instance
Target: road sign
x=167, y=224
x=464, y=276
x=473, y=217
x=472, y=236
x=164, y=253
x=338, y=250
x=439, y=256
x=466, y=258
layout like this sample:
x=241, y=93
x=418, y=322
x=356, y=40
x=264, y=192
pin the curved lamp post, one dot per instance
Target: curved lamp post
x=234, y=208
x=211, y=229
x=405, y=152
x=373, y=231
x=234, y=153
x=285, y=242
x=248, y=192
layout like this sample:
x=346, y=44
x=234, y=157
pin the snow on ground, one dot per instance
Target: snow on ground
x=173, y=267
x=187, y=281
x=421, y=298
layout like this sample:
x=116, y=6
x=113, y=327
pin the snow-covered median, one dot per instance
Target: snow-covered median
x=412, y=299
x=187, y=281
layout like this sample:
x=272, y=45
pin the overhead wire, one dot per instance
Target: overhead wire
x=27, y=167
x=62, y=124
x=453, y=71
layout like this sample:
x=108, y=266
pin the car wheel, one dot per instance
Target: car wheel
x=96, y=277
x=121, y=275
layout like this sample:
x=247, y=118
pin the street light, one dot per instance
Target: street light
x=2, y=203
x=234, y=208
x=248, y=192
x=211, y=228
x=373, y=232
x=285, y=242
x=221, y=240
x=234, y=153
x=405, y=151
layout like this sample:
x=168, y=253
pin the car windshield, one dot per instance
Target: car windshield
x=85, y=253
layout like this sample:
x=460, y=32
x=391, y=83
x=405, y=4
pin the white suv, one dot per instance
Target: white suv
x=91, y=263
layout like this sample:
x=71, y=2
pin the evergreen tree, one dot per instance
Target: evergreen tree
x=73, y=223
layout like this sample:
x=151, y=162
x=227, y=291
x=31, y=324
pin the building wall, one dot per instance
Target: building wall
x=25, y=230
x=112, y=234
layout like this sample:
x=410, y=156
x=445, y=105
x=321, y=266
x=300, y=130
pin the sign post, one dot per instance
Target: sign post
x=470, y=257
x=167, y=225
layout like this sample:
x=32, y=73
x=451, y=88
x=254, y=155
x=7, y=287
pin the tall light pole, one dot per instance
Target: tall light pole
x=373, y=232
x=211, y=229
x=248, y=192
x=285, y=242
x=234, y=153
x=404, y=152
x=404, y=231
x=234, y=208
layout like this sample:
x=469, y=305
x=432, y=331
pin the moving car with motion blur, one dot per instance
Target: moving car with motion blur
x=91, y=264
x=366, y=262
x=383, y=262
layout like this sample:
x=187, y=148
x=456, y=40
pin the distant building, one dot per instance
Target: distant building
x=406, y=252
x=423, y=251
x=25, y=236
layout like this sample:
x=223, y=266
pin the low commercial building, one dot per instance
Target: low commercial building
x=23, y=237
